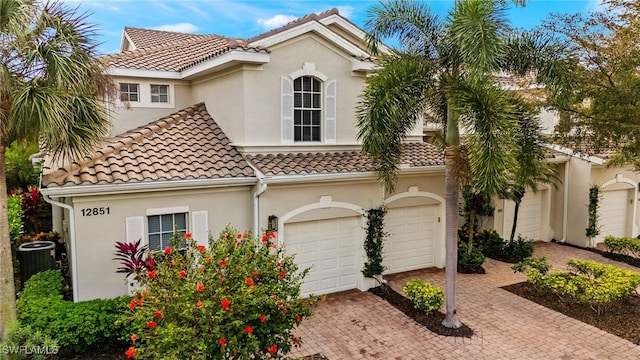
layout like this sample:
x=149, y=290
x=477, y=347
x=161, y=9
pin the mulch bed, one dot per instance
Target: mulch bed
x=621, y=319
x=432, y=322
x=630, y=260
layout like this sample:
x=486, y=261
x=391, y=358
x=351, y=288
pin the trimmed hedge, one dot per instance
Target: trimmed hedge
x=79, y=326
x=425, y=297
x=623, y=245
x=587, y=282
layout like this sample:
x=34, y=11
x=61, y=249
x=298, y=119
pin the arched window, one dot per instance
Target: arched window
x=307, y=109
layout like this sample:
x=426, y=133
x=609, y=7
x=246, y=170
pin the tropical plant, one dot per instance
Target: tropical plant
x=238, y=298
x=425, y=296
x=593, y=228
x=446, y=68
x=374, y=242
x=21, y=171
x=50, y=86
x=474, y=207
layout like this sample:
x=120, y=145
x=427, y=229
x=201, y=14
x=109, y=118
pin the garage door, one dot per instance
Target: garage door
x=529, y=216
x=411, y=238
x=612, y=216
x=329, y=248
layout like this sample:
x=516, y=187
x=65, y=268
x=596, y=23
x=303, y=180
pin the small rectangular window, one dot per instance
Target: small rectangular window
x=129, y=92
x=160, y=94
x=161, y=227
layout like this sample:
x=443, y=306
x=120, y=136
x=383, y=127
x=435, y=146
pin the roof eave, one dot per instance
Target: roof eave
x=231, y=58
x=360, y=175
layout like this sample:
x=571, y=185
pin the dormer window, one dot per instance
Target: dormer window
x=129, y=92
x=307, y=109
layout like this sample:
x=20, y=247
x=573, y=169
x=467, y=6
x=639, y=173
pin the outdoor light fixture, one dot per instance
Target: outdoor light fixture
x=272, y=223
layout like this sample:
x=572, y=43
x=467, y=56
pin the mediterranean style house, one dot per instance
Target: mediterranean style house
x=209, y=131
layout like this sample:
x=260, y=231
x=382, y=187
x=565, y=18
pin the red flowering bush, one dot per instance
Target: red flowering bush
x=238, y=298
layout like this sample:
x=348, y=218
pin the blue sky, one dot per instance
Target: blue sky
x=243, y=19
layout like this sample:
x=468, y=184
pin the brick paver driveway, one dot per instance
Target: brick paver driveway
x=359, y=325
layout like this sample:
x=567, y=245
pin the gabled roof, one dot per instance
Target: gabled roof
x=185, y=145
x=294, y=23
x=144, y=38
x=414, y=155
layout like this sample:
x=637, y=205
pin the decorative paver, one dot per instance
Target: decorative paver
x=360, y=325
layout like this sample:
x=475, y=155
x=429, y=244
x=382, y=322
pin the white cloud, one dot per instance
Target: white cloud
x=179, y=27
x=276, y=21
x=596, y=5
x=345, y=11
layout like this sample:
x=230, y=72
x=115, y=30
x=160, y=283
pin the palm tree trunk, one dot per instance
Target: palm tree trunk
x=472, y=230
x=7, y=285
x=519, y=194
x=451, y=261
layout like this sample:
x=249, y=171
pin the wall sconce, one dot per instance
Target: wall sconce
x=272, y=223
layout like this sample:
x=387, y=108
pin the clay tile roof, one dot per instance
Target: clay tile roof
x=294, y=23
x=179, y=54
x=162, y=150
x=143, y=38
x=414, y=155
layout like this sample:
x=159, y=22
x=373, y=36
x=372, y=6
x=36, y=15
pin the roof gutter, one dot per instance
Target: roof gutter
x=567, y=151
x=279, y=179
x=108, y=189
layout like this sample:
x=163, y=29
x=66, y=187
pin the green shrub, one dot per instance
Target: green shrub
x=374, y=242
x=425, y=297
x=587, y=282
x=23, y=342
x=76, y=327
x=238, y=298
x=14, y=209
x=623, y=245
x=470, y=262
x=494, y=246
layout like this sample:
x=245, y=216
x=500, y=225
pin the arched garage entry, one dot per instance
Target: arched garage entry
x=416, y=228
x=617, y=210
x=327, y=237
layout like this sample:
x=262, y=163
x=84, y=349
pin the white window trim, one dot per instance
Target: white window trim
x=168, y=210
x=144, y=95
x=160, y=94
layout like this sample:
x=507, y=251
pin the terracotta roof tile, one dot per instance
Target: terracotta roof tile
x=133, y=157
x=142, y=38
x=414, y=155
x=294, y=23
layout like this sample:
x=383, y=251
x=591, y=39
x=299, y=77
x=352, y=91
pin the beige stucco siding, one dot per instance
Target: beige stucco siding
x=96, y=235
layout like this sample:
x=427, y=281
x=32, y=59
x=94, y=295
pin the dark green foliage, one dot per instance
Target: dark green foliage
x=494, y=246
x=76, y=327
x=470, y=261
x=374, y=243
x=21, y=172
x=593, y=228
x=25, y=336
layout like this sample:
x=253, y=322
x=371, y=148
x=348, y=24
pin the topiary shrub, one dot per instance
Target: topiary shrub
x=237, y=298
x=470, y=262
x=23, y=342
x=587, y=282
x=623, y=245
x=425, y=297
x=77, y=327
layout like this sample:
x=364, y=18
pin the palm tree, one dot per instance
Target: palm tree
x=50, y=89
x=447, y=67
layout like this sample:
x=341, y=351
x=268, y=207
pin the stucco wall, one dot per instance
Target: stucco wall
x=578, y=212
x=96, y=235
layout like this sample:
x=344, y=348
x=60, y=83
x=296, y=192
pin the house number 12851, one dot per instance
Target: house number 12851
x=96, y=211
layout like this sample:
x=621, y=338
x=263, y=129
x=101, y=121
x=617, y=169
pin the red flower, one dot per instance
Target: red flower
x=152, y=274
x=183, y=274
x=157, y=313
x=140, y=301
x=265, y=238
x=151, y=324
x=167, y=250
x=249, y=281
x=200, y=287
x=132, y=304
x=198, y=304
x=239, y=243
x=240, y=236
x=131, y=352
x=223, y=262
x=279, y=263
x=271, y=234
x=282, y=274
x=187, y=236
x=222, y=342
x=248, y=329
x=256, y=275
x=201, y=271
x=208, y=259
x=274, y=246
x=273, y=349
x=263, y=318
x=296, y=340
x=225, y=304
x=134, y=337
x=221, y=279
x=298, y=319
x=200, y=248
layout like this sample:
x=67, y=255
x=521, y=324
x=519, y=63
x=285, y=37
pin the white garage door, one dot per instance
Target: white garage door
x=329, y=248
x=612, y=216
x=411, y=238
x=529, y=216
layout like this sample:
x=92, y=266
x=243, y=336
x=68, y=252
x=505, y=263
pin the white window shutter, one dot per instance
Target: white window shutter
x=200, y=226
x=330, y=112
x=286, y=110
x=134, y=228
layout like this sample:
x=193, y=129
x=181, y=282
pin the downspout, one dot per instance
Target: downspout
x=565, y=201
x=72, y=241
x=261, y=188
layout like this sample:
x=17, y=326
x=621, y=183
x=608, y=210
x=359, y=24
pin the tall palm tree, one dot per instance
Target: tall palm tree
x=447, y=67
x=50, y=90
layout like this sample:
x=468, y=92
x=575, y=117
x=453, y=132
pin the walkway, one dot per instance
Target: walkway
x=359, y=325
